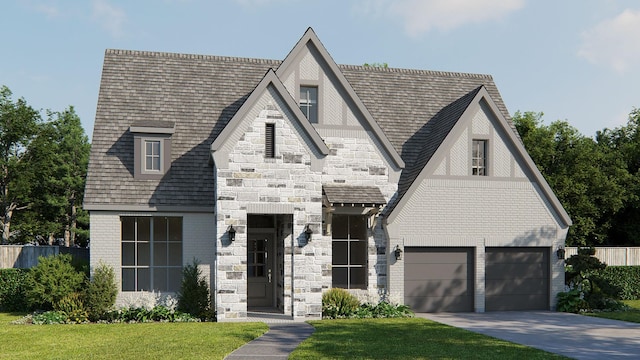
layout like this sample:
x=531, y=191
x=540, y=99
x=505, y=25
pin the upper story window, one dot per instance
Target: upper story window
x=152, y=155
x=151, y=148
x=309, y=102
x=479, y=158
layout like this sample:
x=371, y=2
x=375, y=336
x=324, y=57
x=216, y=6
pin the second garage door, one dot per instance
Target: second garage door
x=517, y=279
x=438, y=279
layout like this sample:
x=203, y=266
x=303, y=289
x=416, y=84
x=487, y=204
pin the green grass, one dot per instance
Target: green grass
x=124, y=341
x=406, y=339
x=631, y=316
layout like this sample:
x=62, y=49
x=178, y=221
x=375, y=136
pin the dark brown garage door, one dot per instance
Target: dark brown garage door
x=517, y=279
x=438, y=279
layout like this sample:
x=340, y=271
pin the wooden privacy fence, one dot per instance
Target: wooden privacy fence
x=24, y=256
x=613, y=256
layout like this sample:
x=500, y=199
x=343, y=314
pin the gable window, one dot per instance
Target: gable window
x=152, y=155
x=479, y=158
x=270, y=140
x=349, y=247
x=151, y=253
x=309, y=102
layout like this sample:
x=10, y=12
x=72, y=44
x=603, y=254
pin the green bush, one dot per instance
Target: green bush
x=72, y=306
x=49, y=318
x=626, y=279
x=383, y=309
x=52, y=279
x=12, y=289
x=194, y=295
x=339, y=303
x=160, y=313
x=100, y=296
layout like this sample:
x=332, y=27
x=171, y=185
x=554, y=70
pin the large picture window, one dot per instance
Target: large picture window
x=151, y=253
x=349, y=247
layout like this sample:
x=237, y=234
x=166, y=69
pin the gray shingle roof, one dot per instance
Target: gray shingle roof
x=339, y=195
x=201, y=93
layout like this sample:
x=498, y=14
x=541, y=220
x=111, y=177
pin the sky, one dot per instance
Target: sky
x=573, y=60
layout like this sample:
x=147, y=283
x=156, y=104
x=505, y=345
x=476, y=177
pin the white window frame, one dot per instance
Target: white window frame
x=479, y=163
x=152, y=156
x=307, y=104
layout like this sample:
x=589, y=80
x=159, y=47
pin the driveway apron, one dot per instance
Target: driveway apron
x=571, y=335
x=277, y=343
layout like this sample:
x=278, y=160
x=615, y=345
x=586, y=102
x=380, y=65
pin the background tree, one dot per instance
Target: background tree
x=19, y=124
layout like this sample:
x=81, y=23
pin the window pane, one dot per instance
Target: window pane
x=128, y=280
x=144, y=228
x=309, y=102
x=155, y=164
x=358, y=278
x=175, y=279
x=339, y=277
x=340, y=253
x=339, y=226
x=160, y=254
x=357, y=227
x=159, y=228
x=175, y=229
x=144, y=280
x=160, y=279
x=128, y=228
x=143, y=254
x=358, y=255
x=128, y=254
x=175, y=254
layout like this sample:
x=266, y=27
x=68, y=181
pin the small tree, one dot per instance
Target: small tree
x=101, y=293
x=51, y=280
x=194, y=292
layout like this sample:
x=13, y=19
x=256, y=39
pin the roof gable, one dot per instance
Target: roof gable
x=459, y=115
x=270, y=79
x=310, y=38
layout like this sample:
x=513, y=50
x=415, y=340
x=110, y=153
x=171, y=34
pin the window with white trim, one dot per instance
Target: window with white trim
x=309, y=102
x=152, y=155
x=151, y=253
x=479, y=157
x=349, y=249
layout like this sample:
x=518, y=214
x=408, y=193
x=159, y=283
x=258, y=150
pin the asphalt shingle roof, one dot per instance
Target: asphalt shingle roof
x=199, y=94
x=346, y=195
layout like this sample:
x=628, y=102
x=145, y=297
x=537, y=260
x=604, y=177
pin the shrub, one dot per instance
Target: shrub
x=12, y=289
x=339, y=303
x=52, y=279
x=194, y=295
x=49, y=318
x=626, y=279
x=72, y=306
x=101, y=292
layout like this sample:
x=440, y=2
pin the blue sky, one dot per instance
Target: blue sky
x=575, y=60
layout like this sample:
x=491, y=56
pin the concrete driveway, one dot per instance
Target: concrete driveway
x=575, y=336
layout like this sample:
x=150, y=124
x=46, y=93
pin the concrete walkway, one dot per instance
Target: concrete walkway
x=277, y=343
x=575, y=336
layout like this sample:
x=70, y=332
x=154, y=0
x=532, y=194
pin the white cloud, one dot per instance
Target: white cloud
x=110, y=17
x=421, y=16
x=614, y=42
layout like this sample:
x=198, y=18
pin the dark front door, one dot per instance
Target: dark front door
x=260, y=271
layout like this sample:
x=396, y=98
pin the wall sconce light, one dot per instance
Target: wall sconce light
x=397, y=252
x=307, y=233
x=560, y=253
x=232, y=233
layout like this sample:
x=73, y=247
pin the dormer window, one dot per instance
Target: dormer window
x=309, y=102
x=152, y=148
x=479, y=158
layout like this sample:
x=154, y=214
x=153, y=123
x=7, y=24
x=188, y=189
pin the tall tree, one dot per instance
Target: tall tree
x=19, y=124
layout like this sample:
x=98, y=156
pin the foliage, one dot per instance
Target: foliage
x=51, y=280
x=377, y=65
x=160, y=313
x=383, y=309
x=407, y=338
x=101, y=292
x=588, y=290
x=194, y=295
x=73, y=307
x=624, y=278
x=12, y=289
x=338, y=303
x=49, y=318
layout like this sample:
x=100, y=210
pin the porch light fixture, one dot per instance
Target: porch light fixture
x=560, y=253
x=307, y=233
x=397, y=252
x=232, y=233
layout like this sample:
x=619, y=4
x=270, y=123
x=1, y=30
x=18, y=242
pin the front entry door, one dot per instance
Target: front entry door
x=260, y=272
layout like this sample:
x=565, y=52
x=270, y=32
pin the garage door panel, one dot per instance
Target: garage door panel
x=510, y=271
x=523, y=302
x=518, y=286
x=514, y=256
x=439, y=279
x=436, y=271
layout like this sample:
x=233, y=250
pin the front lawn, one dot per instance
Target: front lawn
x=631, y=315
x=411, y=338
x=124, y=341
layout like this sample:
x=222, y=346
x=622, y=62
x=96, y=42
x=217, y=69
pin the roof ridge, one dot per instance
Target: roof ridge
x=190, y=56
x=417, y=71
